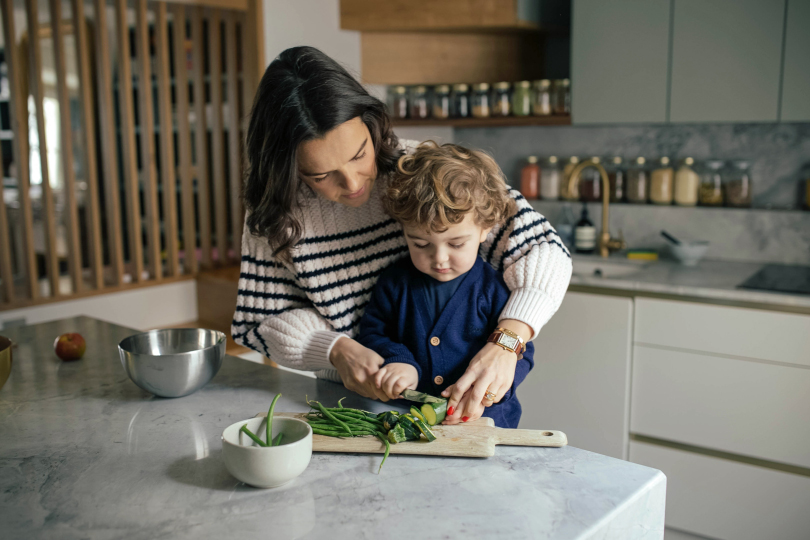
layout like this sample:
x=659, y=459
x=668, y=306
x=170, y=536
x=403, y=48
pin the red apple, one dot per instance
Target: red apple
x=69, y=346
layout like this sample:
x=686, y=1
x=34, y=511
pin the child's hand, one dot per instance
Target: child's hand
x=396, y=377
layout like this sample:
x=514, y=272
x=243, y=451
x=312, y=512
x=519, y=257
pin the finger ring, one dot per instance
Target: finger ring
x=489, y=396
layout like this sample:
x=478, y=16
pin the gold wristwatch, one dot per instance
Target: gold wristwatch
x=507, y=340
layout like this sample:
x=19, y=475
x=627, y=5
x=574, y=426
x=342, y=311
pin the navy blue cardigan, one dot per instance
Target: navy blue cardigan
x=395, y=326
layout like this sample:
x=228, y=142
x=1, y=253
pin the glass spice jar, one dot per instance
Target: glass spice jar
x=501, y=99
x=530, y=179
x=661, y=182
x=562, y=96
x=687, y=183
x=638, y=182
x=737, y=184
x=480, y=100
x=590, y=183
x=462, y=108
x=616, y=177
x=441, y=101
x=522, y=99
x=573, y=193
x=541, y=98
x=550, y=174
x=711, y=184
x=399, y=102
x=419, y=102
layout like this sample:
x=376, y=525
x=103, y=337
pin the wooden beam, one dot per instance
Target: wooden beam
x=66, y=138
x=90, y=156
x=237, y=5
x=127, y=125
x=234, y=136
x=109, y=151
x=184, y=139
x=254, y=61
x=38, y=93
x=18, y=108
x=425, y=15
x=201, y=136
x=147, y=128
x=6, y=272
x=168, y=179
x=217, y=143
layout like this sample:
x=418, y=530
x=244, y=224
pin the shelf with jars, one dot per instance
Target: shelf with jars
x=522, y=103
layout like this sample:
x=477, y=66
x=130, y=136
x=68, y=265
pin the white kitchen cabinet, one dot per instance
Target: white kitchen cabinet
x=726, y=499
x=580, y=382
x=796, y=77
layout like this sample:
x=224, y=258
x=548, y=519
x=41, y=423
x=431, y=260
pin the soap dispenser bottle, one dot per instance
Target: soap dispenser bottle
x=585, y=233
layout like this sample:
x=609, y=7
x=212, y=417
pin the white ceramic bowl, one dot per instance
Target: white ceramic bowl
x=272, y=466
x=689, y=254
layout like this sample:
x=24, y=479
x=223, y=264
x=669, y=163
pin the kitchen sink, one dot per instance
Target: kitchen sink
x=605, y=269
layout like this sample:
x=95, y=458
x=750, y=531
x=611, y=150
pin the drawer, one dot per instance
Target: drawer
x=726, y=499
x=749, y=333
x=743, y=407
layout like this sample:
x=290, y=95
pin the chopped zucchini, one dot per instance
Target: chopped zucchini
x=390, y=419
x=408, y=423
x=397, y=434
x=425, y=430
x=433, y=413
x=417, y=413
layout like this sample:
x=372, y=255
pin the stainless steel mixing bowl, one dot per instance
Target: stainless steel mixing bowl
x=173, y=362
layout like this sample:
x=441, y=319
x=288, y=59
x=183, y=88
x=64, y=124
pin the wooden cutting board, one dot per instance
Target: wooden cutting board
x=477, y=438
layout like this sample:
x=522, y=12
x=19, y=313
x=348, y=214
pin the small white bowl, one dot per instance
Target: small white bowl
x=689, y=254
x=272, y=466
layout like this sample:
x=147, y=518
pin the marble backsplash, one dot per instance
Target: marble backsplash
x=749, y=235
x=778, y=153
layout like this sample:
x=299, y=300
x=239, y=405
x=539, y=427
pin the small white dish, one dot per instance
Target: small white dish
x=689, y=253
x=272, y=466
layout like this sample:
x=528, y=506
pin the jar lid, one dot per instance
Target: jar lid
x=400, y=89
x=573, y=159
x=596, y=159
x=523, y=84
x=542, y=83
x=532, y=159
x=641, y=161
x=420, y=89
x=617, y=160
x=715, y=164
x=442, y=89
x=665, y=160
x=562, y=82
x=460, y=87
x=502, y=86
x=481, y=86
x=552, y=159
x=741, y=164
x=689, y=161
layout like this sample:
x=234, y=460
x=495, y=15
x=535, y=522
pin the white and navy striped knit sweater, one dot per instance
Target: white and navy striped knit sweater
x=294, y=312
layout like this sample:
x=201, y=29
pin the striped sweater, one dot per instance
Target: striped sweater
x=294, y=312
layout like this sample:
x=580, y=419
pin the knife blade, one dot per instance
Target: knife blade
x=419, y=397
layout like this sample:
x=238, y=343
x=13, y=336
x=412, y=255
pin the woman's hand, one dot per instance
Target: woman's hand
x=493, y=370
x=357, y=366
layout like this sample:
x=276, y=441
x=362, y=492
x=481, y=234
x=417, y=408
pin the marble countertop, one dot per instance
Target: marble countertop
x=84, y=453
x=711, y=280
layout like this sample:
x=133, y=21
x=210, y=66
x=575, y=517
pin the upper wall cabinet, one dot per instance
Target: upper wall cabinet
x=726, y=57
x=796, y=79
x=619, y=52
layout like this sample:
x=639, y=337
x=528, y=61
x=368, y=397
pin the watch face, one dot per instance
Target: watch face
x=508, y=341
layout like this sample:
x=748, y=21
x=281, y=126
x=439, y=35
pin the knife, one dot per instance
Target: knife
x=419, y=397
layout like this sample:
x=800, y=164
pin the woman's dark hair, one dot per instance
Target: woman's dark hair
x=302, y=95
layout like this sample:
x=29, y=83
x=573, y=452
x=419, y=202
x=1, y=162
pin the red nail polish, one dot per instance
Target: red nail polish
x=451, y=410
x=464, y=419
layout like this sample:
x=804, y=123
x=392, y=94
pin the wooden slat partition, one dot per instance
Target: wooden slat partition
x=234, y=135
x=168, y=179
x=201, y=137
x=66, y=153
x=19, y=125
x=48, y=208
x=109, y=150
x=217, y=135
x=90, y=156
x=128, y=141
x=184, y=140
x=147, y=140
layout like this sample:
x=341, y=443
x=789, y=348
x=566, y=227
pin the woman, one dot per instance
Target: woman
x=319, y=150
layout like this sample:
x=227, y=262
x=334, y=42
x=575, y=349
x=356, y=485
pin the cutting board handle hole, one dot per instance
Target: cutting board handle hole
x=547, y=434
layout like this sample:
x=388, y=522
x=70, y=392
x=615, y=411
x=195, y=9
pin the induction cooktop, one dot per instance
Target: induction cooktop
x=780, y=278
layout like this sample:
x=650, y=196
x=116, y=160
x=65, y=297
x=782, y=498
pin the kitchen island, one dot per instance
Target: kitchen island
x=85, y=453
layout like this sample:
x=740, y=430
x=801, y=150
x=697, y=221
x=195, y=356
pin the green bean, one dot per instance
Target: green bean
x=277, y=441
x=359, y=416
x=269, y=423
x=341, y=434
x=340, y=405
x=252, y=436
x=384, y=439
x=356, y=421
x=332, y=417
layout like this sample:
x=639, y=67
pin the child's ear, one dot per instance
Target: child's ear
x=484, y=234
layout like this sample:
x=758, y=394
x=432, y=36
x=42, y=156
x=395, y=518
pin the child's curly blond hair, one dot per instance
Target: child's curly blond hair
x=436, y=186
